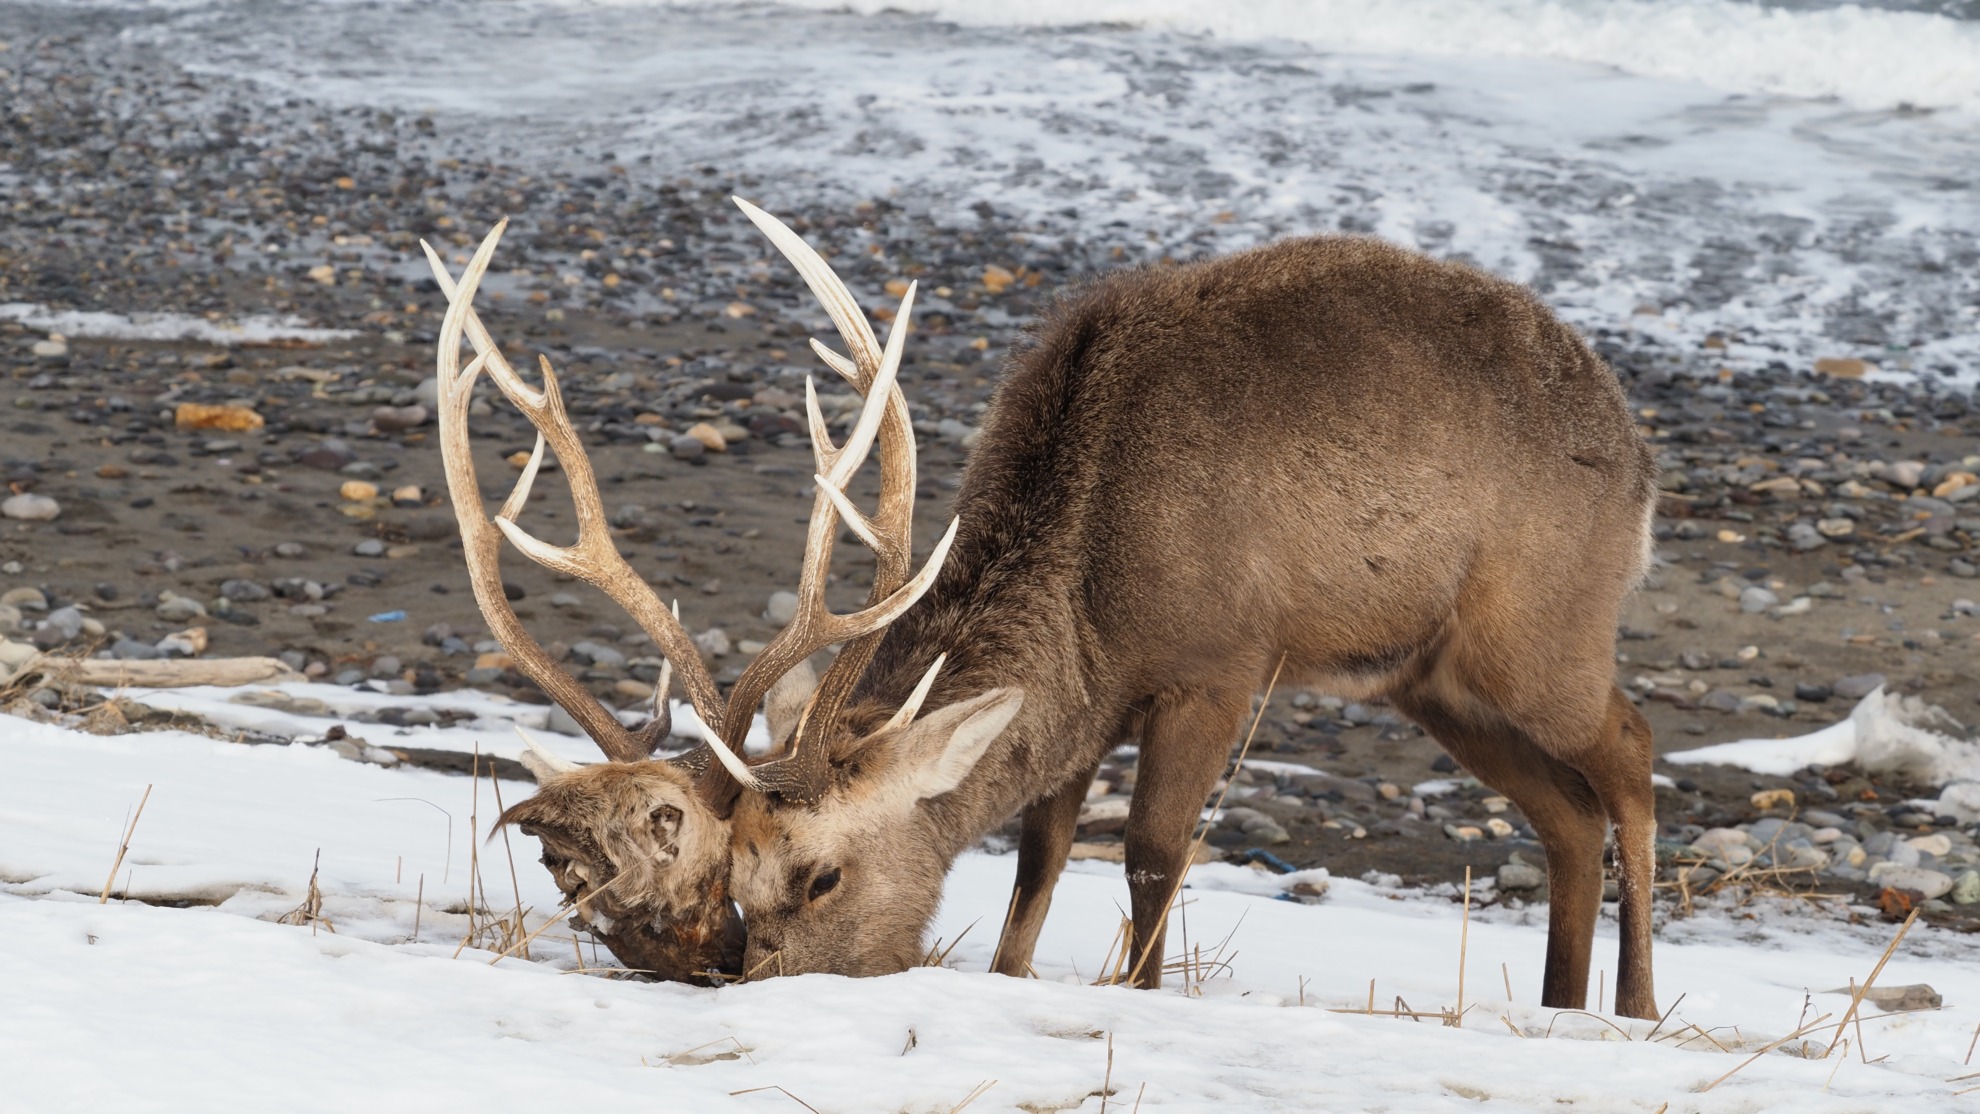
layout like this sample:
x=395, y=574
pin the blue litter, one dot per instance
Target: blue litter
x=389, y=617
x=1260, y=855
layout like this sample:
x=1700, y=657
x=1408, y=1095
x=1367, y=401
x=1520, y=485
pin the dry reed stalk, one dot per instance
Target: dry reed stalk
x=1856, y=999
x=1464, y=944
x=773, y=1087
x=122, y=850
x=1189, y=860
x=1601, y=991
x=981, y=1089
x=1107, y=1083
x=1651, y=1035
x=1626, y=1034
x=935, y=959
x=1796, y=1035
x=1840, y=1061
x=509, y=854
x=1137, y=1098
x=1970, y=1045
x=1506, y=973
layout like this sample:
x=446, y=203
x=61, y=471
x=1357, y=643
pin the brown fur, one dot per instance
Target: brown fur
x=1402, y=477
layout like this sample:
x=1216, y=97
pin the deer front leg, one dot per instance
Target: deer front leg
x=1043, y=841
x=1185, y=744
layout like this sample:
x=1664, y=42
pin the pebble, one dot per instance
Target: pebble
x=688, y=448
x=178, y=609
x=398, y=419
x=29, y=507
x=781, y=609
x=714, y=642
x=1858, y=686
x=1519, y=876
x=710, y=438
x=1927, y=883
x=26, y=599
x=1966, y=889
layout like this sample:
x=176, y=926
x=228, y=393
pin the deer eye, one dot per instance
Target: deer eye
x=822, y=885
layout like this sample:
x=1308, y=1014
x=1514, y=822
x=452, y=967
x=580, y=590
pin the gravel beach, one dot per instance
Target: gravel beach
x=215, y=417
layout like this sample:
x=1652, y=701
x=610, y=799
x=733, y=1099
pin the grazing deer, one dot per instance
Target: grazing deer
x=1378, y=473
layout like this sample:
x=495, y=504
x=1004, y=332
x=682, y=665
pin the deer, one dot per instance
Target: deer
x=1329, y=460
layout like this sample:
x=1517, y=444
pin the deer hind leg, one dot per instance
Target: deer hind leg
x=1620, y=776
x=1185, y=743
x=1565, y=812
x=1044, y=839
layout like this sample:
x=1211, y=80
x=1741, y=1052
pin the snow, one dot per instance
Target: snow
x=1885, y=733
x=168, y=326
x=138, y=1006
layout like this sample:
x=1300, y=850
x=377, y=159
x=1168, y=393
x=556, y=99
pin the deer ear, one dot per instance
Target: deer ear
x=938, y=752
x=786, y=701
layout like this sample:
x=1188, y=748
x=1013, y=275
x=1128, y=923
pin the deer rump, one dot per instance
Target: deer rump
x=1378, y=473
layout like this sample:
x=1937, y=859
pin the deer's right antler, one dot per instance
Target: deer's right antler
x=593, y=558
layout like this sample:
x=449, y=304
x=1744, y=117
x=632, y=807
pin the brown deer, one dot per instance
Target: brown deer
x=1378, y=473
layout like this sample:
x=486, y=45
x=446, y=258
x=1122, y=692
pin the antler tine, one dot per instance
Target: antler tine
x=800, y=773
x=593, y=558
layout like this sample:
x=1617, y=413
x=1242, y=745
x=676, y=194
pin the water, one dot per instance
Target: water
x=1772, y=177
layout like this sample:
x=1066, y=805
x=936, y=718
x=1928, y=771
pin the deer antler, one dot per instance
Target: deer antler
x=800, y=773
x=592, y=558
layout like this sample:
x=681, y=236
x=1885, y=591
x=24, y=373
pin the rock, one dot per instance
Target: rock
x=1719, y=700
x=710, y=438
x=683, y=447
x=358, y=491
x=1835, y=527
x=1519, y=876
x=14, y=654
x=1966, y=890
x=179, y=609
x=233, y=419
x=1842, y=367
x=66, y=621
x=565, y=600
x=1772, y=798
x=29, y=507
x=1754, y=599
x=398, y=419
x=1814, y=693
x=561, y=722
x=386, y=666
x=369, y=547
x=1905, y=473
x=1926, y=883
x=1938, y=843
x=291, y=551
x=27, y=599
x=782, y=608
x=51, y=348
x=1858, y=686
x=714, y=642
x=243, y=591
x=129, y=649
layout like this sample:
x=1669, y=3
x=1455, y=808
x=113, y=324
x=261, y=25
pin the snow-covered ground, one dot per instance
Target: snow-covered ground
x=134, y=1005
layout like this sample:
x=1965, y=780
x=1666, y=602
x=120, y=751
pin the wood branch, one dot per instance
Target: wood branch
x=165, y=674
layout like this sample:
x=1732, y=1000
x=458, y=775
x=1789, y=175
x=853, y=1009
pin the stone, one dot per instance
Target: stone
x=1905, y=473
x=560, y=721
x=15, y=654
x=782, y=608
x=683, y=447
x=66, y=621
x=1858, y=686
x=29, y=507
x=243, y=591
x=358, y=491
x=1938, y=843
x=714, y=642
x=129, y=649
x=369, y=547
x=232, y=419
x=1926, y=883
x=1966, y=889
x=178, y=609
x=398, y=419
x=711, y=438
x=1754, y=599
x=1769, y=799
x=291, y=551
x=1519, y=876
x=1814, y=693
x=26, y=599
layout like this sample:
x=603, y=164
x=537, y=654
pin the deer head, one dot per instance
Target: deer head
x=640, y=847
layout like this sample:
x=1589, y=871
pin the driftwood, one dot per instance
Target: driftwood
x=167, y=673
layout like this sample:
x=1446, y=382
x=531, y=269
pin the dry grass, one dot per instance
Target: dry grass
x=310, y=912
x=125, y=847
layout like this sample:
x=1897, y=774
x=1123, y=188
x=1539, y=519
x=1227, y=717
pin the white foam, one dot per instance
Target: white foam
x=168, y=326
x=1866, y=57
